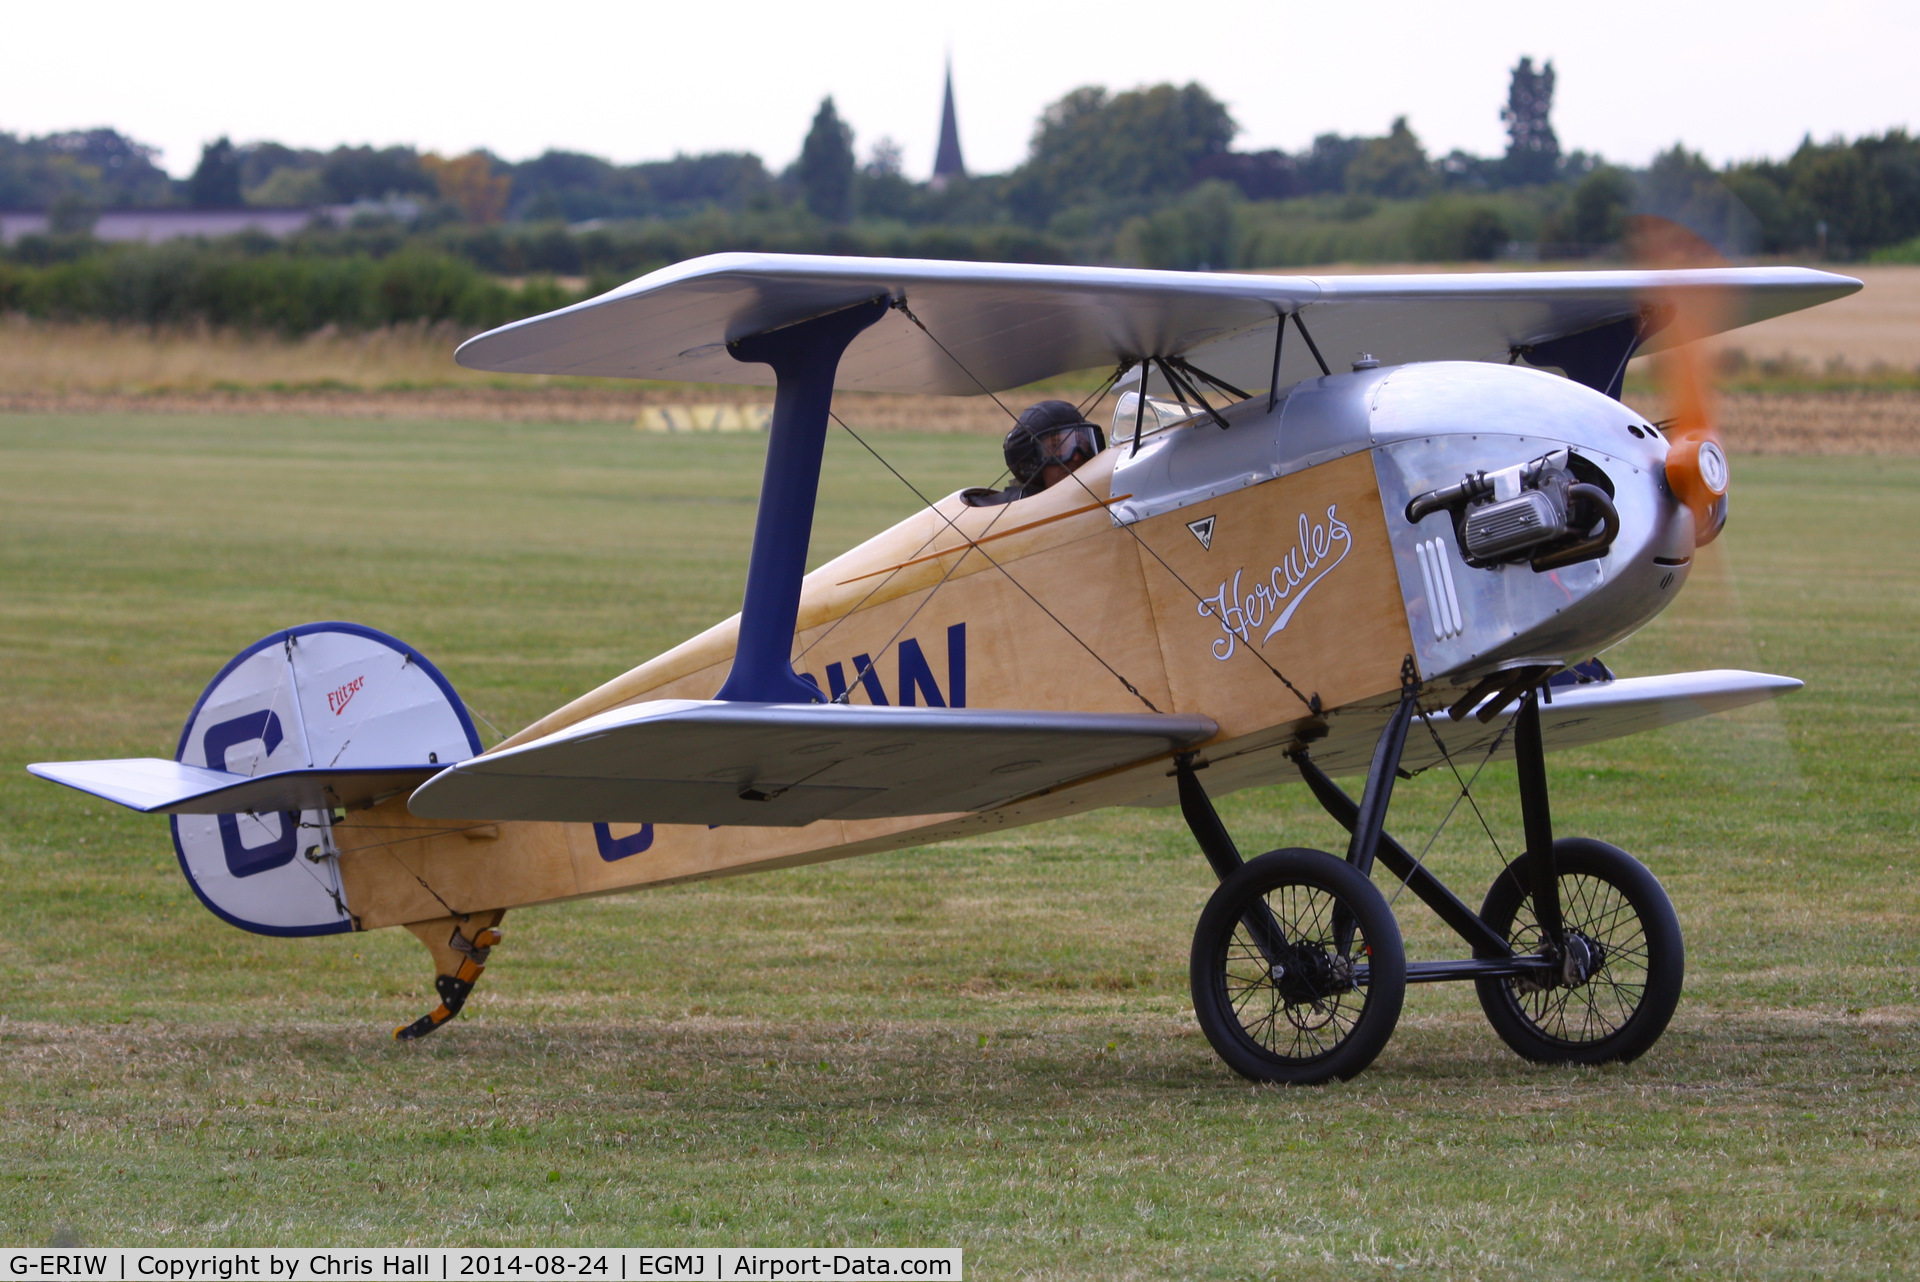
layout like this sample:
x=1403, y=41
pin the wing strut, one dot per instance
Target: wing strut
x=1312, y=346
x=804, y=357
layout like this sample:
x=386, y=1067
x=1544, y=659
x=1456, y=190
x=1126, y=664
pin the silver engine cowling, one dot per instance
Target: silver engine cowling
x=1530, y=517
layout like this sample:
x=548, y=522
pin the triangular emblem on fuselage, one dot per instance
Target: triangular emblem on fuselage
x=1203, y=530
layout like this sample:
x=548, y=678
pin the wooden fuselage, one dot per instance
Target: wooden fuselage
x=1057, y=602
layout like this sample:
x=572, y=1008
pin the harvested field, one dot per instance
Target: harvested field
x=1838, y=379
x=93, y=358
x=406, y=372
x=608, y=403
x=1880, y=325
x=1884, y=423
x=1838, y=422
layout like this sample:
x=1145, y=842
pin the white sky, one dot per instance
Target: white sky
x=642, y=81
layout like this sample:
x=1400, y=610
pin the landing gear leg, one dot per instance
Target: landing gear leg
x=1536, y=817
x=1297, y=969
x=460, y=948
x=1599, y=920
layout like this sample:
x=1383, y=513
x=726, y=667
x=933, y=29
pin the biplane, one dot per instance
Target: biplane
x=1363, y=524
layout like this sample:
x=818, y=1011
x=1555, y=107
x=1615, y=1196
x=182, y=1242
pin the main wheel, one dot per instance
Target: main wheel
x=1298, y=971
x=1619, y=984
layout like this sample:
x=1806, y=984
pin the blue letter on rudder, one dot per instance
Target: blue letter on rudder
x=244, y=861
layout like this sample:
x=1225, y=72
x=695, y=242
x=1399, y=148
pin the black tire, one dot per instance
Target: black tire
x=1618, y=909
x=1332, y=1008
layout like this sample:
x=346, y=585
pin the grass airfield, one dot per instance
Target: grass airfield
x=986, y=1044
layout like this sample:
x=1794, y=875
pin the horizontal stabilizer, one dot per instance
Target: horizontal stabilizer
x=155, y=786
x=785, y=765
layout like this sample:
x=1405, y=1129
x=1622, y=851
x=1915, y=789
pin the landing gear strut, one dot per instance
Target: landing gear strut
x=1298, y=969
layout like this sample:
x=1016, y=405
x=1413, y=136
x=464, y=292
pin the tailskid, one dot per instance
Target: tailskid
x=460, y=948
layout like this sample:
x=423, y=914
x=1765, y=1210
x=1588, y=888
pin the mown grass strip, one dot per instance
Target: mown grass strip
x=985, y=1044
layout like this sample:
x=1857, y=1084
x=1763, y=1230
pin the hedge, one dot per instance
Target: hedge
x=188, y=284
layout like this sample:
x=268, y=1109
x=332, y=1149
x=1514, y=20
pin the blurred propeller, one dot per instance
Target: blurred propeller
x=1696, y=460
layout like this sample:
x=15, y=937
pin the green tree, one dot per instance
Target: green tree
x=1091, y=147
x=1596, y=213
x=1764, y=187
x=825, y=167
x=1895, y=158
x=1199, y=232
x=1683, y=188
x=368, y=173
x=216, y=180
x=1455, y=229
x=881, y=190
x=1533, y=150
x=1846, y=193
x=1324, y=166
x=99, y=167
x=1394, y=166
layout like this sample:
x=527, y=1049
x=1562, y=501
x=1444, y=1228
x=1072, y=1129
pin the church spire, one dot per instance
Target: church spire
x=947, y=164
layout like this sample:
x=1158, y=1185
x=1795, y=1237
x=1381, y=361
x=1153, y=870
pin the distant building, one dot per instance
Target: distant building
x=152, y=225
x=947, y=164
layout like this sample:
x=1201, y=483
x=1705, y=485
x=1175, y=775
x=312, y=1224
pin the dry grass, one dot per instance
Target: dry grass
x=1868, y=343
x=1880, y=325
x=93, y=358
x=1881, y=423
x=940, y=415
x=404, y=372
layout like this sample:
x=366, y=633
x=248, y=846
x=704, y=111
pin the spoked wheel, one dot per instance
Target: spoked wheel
x=1619, y=980
x=1298, y=970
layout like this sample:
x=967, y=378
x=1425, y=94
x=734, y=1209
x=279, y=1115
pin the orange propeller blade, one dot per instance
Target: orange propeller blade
x=1696, y=460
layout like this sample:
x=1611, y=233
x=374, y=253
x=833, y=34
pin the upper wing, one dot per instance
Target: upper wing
x=784, y=765
x=1009, y=324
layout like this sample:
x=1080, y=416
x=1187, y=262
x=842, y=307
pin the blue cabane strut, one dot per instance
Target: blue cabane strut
x=805, y=357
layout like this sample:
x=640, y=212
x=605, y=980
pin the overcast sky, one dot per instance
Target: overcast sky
x=643, y=81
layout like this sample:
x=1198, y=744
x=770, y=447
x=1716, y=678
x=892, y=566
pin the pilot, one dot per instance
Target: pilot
x=1048, y=442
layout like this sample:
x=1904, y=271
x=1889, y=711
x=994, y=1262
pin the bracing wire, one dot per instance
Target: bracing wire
x=1311, y=704
x=497, y=734
x=900, y=304
x=1186, y=390
x=973, y=545
x=451, y=911
x=890, y=575
x=1466, y=795
x=1105, y=387
x=1466, y=785
x=860, y=674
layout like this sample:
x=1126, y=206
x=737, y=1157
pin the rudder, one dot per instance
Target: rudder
x=321, y=695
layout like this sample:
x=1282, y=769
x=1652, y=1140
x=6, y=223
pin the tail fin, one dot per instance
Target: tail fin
x=320, y=717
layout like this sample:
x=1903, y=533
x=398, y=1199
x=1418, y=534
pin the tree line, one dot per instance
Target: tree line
x=1147, y=176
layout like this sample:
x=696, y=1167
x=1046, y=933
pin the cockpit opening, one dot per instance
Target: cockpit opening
x=1048, y=443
